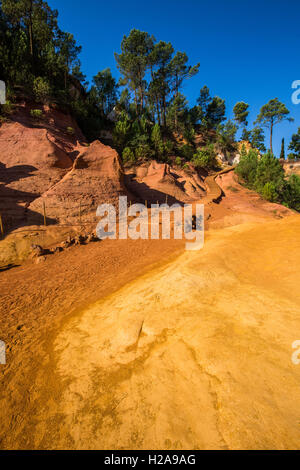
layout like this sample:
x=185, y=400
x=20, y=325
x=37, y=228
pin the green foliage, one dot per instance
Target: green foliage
x=247, y=167
x=36, y=114
x=178, y=161
x=106, y=90
x=257, y=139
x=292, y=192
x=41, y=90
x=157, y=141
x=128, y=155
x=226, y=134
x=268, y=192
x=271, y=114
x=241, y=113
x=269, y=170
x=6, y=108
x=295, y=145
x=186, y=151
x=70, y=131
x=246, y=135
x=121, y=131
x=267, y=177
x=143, y=151
x=211, y=110
x=205, y=158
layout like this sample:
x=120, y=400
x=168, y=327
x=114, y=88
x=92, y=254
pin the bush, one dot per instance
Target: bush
x=187, y=151
x=41, y=90
x=291, y=195
x=247, y=166
x=36, y=114
x=6, y=108
x=168, y=147
x=143, y=151
x=205, y=158
x=178, y=161
x=269, y=192
x=70, y=131
x=269, y=170
x=128, y=155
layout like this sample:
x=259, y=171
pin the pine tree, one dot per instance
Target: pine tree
x=282, y=152
x=271, y=114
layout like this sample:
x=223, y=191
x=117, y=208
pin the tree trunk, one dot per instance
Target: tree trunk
x=30, y=30
x=136, y=105
x=158, y=112
x=271, y=138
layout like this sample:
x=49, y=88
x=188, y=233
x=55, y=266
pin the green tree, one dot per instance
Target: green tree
x=241, y=112
x=227, y=132
x=41, y=90
x=271, y=114
x=159, y=87
x=268, y=170
x=177, y=117
x=205, y=158
x=246, y=169
x=291, y=194
x=68, y=53
x=121, y=133
x=128, y=155
x=157, y=141
x=295, y=145
x=211, y=110
x=179, y=72
x=257, y=139
x=269, y=192
x=133, y=63
x=246, y=135
x=107, y=90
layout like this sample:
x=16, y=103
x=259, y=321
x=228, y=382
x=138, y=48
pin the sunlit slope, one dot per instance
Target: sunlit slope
x=194, y=355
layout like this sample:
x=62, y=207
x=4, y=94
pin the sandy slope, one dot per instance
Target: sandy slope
x=194, y=354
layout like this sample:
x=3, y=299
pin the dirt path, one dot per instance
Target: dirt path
x=194, y=354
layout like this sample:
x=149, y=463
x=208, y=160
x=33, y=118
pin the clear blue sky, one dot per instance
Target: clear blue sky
x=248, y=50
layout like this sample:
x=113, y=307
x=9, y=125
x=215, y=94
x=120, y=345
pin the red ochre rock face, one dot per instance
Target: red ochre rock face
x=43, y=165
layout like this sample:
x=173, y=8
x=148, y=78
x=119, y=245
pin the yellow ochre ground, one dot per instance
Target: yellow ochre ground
x=195, y=354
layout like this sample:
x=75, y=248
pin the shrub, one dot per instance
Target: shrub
x=269, y=170
x=269, y=192
x=6, y=108
x=36, y=114
x=178, y=161
x=128, y=155
x=156, y=139
x=247, y=166
x=187, y=151
x=41, y=90
x=143, y=151
x=205, y=158
x=291, y=195
x=168, y=147
x=70, y=131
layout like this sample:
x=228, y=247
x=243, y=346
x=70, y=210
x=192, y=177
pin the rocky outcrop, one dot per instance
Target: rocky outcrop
x=157, y=181
x=96, y=177
x=46, y=164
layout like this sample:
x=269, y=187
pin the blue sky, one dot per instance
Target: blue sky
x=248, y=50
